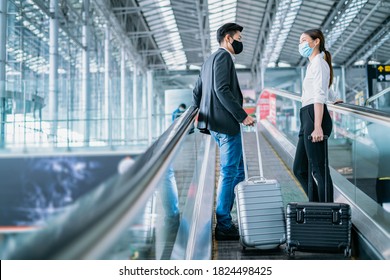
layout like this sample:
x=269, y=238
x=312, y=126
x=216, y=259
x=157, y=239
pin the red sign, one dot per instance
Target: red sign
x=263, y=105
x=266, y=106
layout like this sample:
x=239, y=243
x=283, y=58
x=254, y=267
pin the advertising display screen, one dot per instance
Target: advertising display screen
x=32, y=189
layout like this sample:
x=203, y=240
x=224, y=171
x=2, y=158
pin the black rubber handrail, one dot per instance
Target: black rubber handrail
x=366, y=113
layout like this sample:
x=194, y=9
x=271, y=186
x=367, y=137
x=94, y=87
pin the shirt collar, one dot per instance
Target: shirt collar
x=233, y=57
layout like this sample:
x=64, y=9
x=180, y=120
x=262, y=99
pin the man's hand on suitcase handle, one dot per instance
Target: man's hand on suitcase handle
x=249, y=121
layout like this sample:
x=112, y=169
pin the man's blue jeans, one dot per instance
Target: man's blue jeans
x=231, y=173
x=169, y=194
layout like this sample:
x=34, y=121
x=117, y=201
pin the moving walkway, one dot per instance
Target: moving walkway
x=124, y=217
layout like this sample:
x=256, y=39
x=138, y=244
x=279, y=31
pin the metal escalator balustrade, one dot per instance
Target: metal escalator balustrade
x=380, y=100
x=92, y=225
x=359, y=156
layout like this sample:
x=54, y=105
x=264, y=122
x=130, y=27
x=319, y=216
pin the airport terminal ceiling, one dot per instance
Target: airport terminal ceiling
x=176, y=35
x=180, y=34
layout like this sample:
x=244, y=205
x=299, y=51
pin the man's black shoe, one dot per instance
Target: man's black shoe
x=227, y=234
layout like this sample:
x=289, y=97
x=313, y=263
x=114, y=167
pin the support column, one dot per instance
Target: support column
x=3, y=40
x=53, y=74
x=86, y=73
x=343, y=97
x=107, y=81
x=262, y=73
x=123, y=95
x=135, y=103
x=143, y=104
x=150, y=105
x=259, y=76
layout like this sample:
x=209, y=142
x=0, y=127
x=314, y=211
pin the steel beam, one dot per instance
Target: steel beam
x=135, y=102
x=140, y=34
x=124, y=100
x=107, y=69
x=86, y=72
x=118, y=31
x=44, y=9
x=372, y=43
x=360, y=25
x=146, y=27
x=201, y=21
x=3, y=48
x=331, y=17
x=150, y=105
x=53, y=64
x=159, y=51
x=267, y=20
x=146, y=8
x=3, y=53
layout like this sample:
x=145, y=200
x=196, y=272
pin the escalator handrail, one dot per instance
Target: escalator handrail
x=366, y=113
x=376, y=96
x=93, y=223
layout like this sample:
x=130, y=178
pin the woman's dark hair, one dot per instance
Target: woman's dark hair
x=317, y=34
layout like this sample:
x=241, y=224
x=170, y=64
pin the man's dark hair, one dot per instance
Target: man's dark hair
x=228, y=28
x=183, y=105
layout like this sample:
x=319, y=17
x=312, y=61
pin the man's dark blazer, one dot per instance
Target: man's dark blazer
x=218, y=96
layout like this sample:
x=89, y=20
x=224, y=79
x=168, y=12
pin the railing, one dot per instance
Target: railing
x=376, y=97
x=92, y=225
x=359, y=156
x=27, y=133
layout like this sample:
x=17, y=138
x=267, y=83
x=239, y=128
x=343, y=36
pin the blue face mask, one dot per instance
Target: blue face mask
x=305, y=50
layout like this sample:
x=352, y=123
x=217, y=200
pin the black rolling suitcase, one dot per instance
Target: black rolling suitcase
x=317, y=226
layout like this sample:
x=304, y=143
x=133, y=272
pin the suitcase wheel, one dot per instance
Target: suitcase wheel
x=347, y=252
x=290, y=251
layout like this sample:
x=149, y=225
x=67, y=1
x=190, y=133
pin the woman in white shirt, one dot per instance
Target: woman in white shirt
x=315, y=119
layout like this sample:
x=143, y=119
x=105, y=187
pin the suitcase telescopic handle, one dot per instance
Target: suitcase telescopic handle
x=325, y=137
x=261, y=173
x=243, y=152
x=259, y=151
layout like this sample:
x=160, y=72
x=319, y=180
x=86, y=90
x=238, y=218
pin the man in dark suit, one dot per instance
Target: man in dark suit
x=218, y=96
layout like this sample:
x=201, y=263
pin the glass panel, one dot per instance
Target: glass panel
x=358, y=149
x=153, y=234
x=52, y=187
x=97, y=121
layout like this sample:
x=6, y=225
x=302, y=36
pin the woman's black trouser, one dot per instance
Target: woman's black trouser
x=314, y=154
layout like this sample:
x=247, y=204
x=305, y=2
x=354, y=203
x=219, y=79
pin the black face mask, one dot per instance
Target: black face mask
x=237, y=46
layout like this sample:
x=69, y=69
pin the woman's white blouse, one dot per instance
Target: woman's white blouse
x=315, y=85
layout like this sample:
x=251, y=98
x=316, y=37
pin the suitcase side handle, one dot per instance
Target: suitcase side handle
x=300, y=215
x=336, y=219
x=256, y=179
